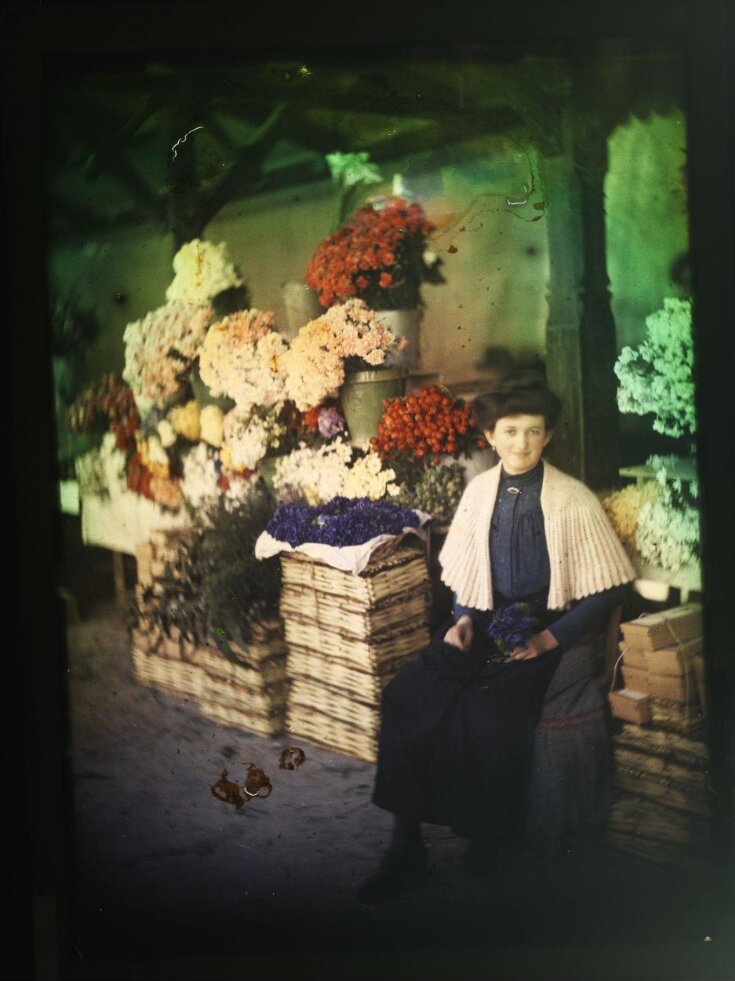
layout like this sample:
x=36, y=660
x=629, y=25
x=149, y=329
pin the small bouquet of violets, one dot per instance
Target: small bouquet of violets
x=511, y=627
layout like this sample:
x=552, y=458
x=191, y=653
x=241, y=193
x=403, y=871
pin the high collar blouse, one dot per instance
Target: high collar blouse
x=518, y=553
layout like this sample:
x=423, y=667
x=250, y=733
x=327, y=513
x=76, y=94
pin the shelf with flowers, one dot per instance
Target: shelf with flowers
x=660, y=516
x=380, y=256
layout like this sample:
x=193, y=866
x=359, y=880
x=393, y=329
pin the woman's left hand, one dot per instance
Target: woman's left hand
x=535, y=645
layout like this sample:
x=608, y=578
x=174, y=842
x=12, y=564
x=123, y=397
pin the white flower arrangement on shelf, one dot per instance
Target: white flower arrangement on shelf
x=101, y=472
x=242, y=359
x=315, y=475
x=248, y=436
x=667, y=533
x=202, y=270
x=657, y=376
x=159, y=350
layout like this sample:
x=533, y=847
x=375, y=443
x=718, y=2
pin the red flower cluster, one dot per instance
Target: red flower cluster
x=107, y=403
x=139, y=476
x=376, y=250
x=425, y=424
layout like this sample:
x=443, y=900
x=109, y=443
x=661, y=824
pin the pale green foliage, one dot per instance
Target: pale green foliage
x=348, y=169
x=657, y=376
x=437, y=492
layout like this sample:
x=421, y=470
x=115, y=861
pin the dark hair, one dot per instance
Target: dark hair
x=520, y=393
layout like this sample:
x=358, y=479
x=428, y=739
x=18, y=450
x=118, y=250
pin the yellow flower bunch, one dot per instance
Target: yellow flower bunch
x=211, y=425
x=623, y=508
x=185, y=421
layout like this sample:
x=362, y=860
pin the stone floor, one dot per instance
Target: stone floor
x=164, y=869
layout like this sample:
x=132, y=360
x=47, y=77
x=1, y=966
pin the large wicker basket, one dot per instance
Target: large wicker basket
x=248, y=692
x=347, y=635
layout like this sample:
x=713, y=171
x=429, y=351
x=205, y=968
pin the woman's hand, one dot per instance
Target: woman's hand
x=535, y=645
x=461, y=634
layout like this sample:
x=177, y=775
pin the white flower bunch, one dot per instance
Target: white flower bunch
x=202, y=270
x=667, y=533
x=357, y=332
x=160, y=347
x=249, y=436
x=199, y=482
x=317, y=474
x=313, y=474
x=242, y=358
x=367, y=478
x=657, y=376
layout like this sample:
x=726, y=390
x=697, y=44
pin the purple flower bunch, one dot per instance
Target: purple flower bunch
x=341, y=521
x=512, y=626
x=330, y=422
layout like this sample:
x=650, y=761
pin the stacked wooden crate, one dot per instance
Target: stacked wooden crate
x=247, y=692
x=661, y=810
x=347, y=635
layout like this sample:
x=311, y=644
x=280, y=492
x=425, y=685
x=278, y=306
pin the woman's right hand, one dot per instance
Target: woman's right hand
x=461, y=634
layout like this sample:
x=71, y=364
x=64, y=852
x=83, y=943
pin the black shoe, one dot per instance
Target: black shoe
x=397, y=872
x=480, y=860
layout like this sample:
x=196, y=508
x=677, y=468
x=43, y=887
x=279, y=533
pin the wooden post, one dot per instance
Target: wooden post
x=563, y=350
x=118, y=576
x=591, y=123
x=581, y=345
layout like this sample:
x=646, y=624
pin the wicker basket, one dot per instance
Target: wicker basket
x=392, y=570
x=347, y=635
x=381, y=654
x=271, y=725
x=332, y=733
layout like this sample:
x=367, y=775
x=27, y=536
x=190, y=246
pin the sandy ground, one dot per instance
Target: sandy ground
x=163, y=868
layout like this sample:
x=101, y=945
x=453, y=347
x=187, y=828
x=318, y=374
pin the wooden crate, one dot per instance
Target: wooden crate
x=672, y=660
x=675, y=688
x=630, y=705
x=653, y=631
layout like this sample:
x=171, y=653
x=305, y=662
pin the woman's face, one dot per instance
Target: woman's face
x=519, y=441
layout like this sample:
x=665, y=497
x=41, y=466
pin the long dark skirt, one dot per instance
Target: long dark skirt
x=456, y=738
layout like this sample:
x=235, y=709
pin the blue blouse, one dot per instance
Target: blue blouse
x=520, y=561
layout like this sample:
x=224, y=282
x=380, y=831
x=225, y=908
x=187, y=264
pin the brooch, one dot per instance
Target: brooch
x=514, y=490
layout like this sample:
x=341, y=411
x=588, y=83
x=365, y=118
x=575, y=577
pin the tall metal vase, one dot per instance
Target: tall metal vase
x=404, y=324
x=362, y=395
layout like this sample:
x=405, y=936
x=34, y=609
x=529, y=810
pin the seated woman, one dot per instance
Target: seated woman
x=458, y=722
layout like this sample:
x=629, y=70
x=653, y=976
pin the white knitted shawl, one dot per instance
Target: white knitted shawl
x=585, y=554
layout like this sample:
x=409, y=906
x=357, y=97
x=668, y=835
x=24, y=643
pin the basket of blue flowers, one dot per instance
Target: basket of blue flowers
x=354, y=602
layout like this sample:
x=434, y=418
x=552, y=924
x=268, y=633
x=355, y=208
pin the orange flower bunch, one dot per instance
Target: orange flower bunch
x=426, y=424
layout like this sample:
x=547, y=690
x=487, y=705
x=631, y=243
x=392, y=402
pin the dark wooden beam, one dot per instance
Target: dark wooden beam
x=247, y=166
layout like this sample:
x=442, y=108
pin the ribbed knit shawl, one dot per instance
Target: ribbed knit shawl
x=585, y=554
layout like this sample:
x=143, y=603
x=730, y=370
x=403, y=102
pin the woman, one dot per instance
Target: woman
x=458, y=722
